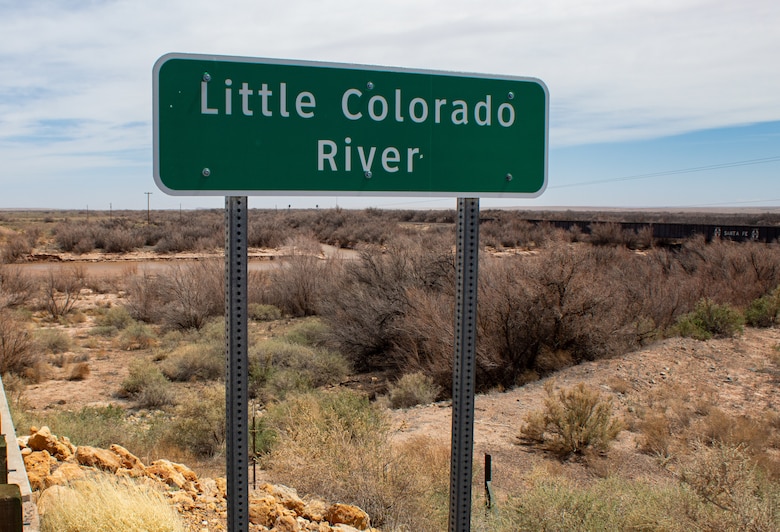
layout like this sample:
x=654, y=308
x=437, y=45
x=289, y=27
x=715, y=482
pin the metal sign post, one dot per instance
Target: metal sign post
x=237, y=371
x=463, y=371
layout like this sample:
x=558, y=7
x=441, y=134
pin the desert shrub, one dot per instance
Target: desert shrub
x=762, y=312
x=78, y=371
x=311, y=332
x=61, y=291
x=656, y=289
x=266, y=231
x=16, y=247
x=367, y=308
x=136, y=336
x=199, y=423
x=731, y=272
x=572, y=420
x=192, y=294
x=107, y=502
x=656, y=435
x=348, y=457
x=297, y=286
x=106, y=331
x=200, y=361
x=145, y=296
x=606, y=234
x=67, y=235
x=186, y=296
x=52, y=341
x=118, y=238
x=566, y=302
x=278, y=367
x=558, y=503
x=16, y=287
x=118, y=317
x=15, y=344
x=726, y=477
x=717, y=427
x=413, y=389
x=146, y=384
x=261, y=312
x=710, y=320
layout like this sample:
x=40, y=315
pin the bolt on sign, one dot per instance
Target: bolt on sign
x=237, y=126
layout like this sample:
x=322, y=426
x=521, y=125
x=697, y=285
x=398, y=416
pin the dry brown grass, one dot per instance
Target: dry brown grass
x=77, y=371
x=106, y=502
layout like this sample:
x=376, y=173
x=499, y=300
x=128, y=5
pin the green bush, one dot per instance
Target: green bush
x=560, y=504
x=117, y=317
x=147, y=385
x=195, y=362
x=762, y=312
x=52, y=341
x=278, y=367
x=710, y=320
x=199, y=424
x=106, y=331
x=136, y=336
x=261, y=312
x=572, y=420
x=310, y=332
x=413, y=389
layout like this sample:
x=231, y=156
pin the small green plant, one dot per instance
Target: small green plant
x=278, y=367
x=195, y=362
x=147, y=385
x=117, y=317
x=572, y=421
x=52, y=341
x=311, y=332
x=136, y=336
x=413, y=389
x=710, y=320
x=762, y=312
x=199, y=424
x=261, y=312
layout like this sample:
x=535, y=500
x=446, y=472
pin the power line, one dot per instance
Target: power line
x=733, y=164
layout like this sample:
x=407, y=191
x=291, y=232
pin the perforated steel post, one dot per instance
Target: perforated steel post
x=237, y=451
x=463, y=371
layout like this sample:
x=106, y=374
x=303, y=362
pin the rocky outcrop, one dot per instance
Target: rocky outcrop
x=53, y=462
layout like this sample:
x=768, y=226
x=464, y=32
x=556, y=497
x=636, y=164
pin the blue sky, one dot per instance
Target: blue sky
x=653, y=103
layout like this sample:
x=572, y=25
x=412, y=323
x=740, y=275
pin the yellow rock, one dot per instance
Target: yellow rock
x=348, y=515
x=44, y=440
x=65, y=473
x=99, y=458
x=38, y=465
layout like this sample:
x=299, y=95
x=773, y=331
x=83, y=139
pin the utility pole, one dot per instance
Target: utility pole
x=148, y=195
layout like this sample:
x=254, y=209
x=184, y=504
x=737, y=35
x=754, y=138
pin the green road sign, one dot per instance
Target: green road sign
x=237, y=126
